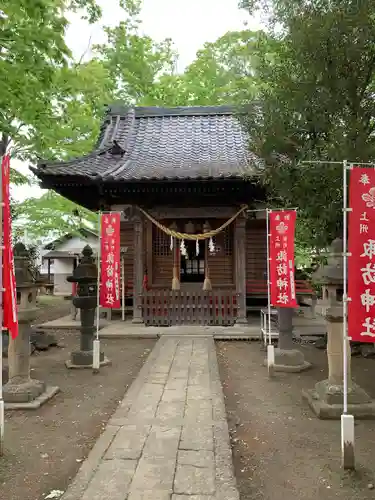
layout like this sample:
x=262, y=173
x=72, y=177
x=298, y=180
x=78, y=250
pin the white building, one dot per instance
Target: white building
x=60, y=257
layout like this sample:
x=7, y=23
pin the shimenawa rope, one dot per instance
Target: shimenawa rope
x=193, y=237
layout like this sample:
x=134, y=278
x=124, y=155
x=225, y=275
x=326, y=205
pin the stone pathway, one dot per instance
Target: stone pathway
x=168, y=439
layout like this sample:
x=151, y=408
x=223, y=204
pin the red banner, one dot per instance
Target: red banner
x=109, y=295
x=10, y=319
x=361, y=260
x=282, y=227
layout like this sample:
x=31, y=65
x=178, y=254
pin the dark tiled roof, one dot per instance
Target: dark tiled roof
x=55, y=254
x=163, y=143
x=83, y=232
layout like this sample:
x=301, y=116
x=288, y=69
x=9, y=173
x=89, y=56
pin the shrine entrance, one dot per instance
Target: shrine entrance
x=191, y=280
x=192, y=267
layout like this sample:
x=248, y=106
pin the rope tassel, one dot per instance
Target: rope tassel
x=175, y=279
x=183, y=249
x=197, y=248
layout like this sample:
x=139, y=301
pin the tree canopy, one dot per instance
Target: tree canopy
x=34, y=61
x=315, y=104
x=32, y=47
x=133, y=68
x=309, y=79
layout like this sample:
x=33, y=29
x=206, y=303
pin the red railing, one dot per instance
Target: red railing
x=174, y=307
x=258, y=288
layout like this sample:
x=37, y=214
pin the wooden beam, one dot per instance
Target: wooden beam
x=138, y=269
x=192, y=212
x=240, y=267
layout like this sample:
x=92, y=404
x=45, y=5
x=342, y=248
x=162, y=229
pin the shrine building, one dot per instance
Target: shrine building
x=177, y=170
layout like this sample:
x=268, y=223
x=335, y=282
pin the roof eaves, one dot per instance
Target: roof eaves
x=83, y=231
x=40, y=166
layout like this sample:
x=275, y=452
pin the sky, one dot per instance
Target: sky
x=189, y=23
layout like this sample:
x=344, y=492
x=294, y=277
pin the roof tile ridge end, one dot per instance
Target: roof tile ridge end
x=131, y=116
x=96, y=152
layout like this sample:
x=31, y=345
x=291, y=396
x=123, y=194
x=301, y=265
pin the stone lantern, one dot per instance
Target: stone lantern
x=288, y=358
x=21, y=391
x=326, y=399
x=86, y=277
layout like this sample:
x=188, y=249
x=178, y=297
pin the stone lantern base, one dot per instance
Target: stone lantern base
x=326, y=401
x=83, y=359
x=43, y=340
x=289, y=361
x=21, y=392
x=27, y=395
x=287, y=357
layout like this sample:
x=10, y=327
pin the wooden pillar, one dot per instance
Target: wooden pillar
x=138, y=269
x=240, y=267
x=207, y=285
x=176, y=260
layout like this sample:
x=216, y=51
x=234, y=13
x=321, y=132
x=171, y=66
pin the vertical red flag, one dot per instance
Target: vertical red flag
x=361, y=260
x=10, y=319
x=282, y=228
x=109, y=295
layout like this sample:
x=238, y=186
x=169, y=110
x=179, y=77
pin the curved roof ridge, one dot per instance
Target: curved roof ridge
x=185, y=142
x=59, y=163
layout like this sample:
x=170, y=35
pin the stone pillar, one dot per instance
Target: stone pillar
x=335, y=351
x=21, y=388
x=285, y=320
x=240, y=268
x=86, y=276
x=21, y=391
x=287, y=357
x=326, y=399
x=138, y=270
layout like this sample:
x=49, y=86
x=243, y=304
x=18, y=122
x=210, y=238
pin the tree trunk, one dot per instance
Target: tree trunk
x=4, y=141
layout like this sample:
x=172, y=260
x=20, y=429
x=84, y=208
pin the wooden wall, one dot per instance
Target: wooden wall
x=159, y=264
x=221, y=264
x=159, y=256
x=256, y=249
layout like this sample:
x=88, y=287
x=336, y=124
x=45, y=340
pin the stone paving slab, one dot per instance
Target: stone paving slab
x=67, y=323
x=168, y=439
x=304, y=326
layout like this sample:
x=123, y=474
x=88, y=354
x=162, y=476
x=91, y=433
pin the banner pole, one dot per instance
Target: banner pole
x=2, y=416
x=123, y=287
x=96, y=342
x=347, y=421
x=345, y=301
x=270, y=347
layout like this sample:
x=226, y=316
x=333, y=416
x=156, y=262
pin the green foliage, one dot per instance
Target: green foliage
x=224, y=72
x=34, y=65
x=134, y=61
x=50, y=215
x=80, y=93
x=32, y=47
x=53, y=105
x=315, y=104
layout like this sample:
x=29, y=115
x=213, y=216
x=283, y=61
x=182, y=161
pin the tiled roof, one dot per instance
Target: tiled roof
x=83, y=232
x=163, y=143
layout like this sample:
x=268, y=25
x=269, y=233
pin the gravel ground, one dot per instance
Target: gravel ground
x=44, y=448
x=51, y=307
x=281, y=450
